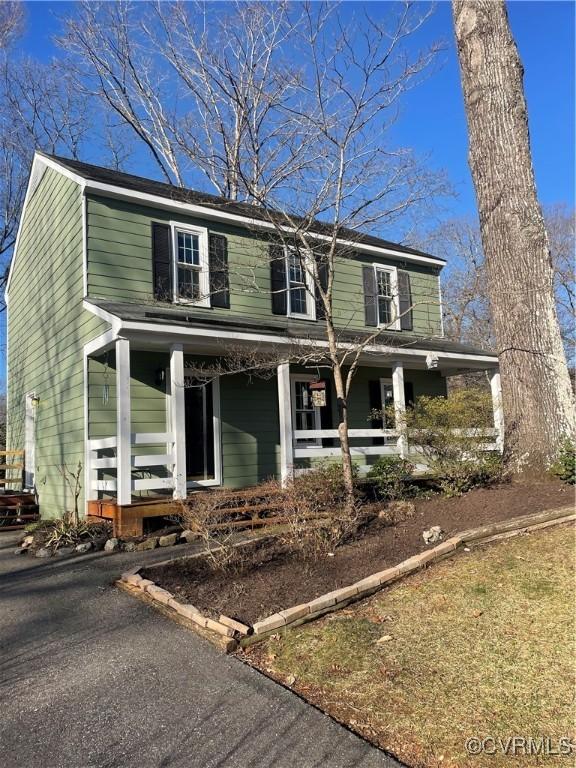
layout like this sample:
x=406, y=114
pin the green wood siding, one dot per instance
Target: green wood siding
x=47, y=328
x=120, y=267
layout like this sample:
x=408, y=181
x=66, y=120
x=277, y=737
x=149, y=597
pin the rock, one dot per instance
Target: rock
x=27, y=541
x=21, y=551
x=167, y=541
x=433, y=535
x=43, y=552
x=112, y=545
x=84, y=547
x=384, y=639
x=64, y=551
x=150, y=543
x=187, y=536
x=129, y=546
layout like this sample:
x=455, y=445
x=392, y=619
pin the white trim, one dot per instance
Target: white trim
x=36, y=173
x=294, y=379
x=496, y=389
x=30, y=420
x=285, y=424
x=441, y=306
x=369, y=450
x=204, y=267
x=393, y=271
x=175, y=396
x=114, y=321
x=175, y=332
x=123, y=422
x=386, y=380
x=308, y=285
x=400, y=406
x=99, y=342
x=333, y=433
x=217, y=438
x=84, y=246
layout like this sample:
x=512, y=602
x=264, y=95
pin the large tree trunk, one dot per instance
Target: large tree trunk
x=537, y=397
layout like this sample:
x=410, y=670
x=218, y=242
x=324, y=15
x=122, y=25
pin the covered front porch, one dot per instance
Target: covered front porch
x=157, y=433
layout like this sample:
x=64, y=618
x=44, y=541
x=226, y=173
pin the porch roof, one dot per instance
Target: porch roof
x=161, y=314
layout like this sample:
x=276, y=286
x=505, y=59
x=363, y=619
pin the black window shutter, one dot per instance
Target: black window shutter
x=162, y=262
x=219, y=280
x=409, y=394
x=405, y=296
x=323, y=280
x=326, y=414
x=370, y=296
x=278, y=279
x=375, y=396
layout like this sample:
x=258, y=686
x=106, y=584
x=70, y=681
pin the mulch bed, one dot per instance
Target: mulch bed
x=273, y=579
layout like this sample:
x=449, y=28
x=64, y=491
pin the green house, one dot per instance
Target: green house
x=122, y=290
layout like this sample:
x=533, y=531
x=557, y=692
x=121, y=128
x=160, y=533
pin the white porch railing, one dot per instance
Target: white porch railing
x=392, y=442
x=99, y=462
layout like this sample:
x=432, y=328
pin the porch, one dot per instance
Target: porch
x=156, y=434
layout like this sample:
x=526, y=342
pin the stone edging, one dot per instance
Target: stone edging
x=229, y=633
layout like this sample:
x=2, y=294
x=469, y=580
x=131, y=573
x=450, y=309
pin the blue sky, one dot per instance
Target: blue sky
x=433, y=120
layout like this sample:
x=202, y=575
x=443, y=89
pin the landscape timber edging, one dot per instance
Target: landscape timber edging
x=228, y=633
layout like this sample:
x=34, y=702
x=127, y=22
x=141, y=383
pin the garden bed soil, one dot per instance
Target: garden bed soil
x=273, y=579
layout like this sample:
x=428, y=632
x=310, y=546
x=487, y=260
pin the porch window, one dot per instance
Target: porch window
x=300, y=285
x=191, y=273
x=387, y=295
x=304, y=413
x=387, y=395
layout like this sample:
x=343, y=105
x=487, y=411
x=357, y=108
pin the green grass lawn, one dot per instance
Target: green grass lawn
x=479, y=645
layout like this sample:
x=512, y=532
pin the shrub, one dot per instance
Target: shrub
x=65, y=532
x=449, y=432
x=564, y=466
x=319, y=517
x=392, y=477
x=209, y=515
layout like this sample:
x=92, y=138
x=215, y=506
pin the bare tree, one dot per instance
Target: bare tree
x=11, y=22
x=199, y=92
x=466, y=305
x=354, y=181
x=537, y=397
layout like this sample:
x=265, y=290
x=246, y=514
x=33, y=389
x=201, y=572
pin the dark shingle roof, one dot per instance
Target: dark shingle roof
x=196, y=317
x=182, y=195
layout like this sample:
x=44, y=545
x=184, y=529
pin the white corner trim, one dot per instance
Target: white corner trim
x=285, y=419
x=39, y=165
x=440, y=306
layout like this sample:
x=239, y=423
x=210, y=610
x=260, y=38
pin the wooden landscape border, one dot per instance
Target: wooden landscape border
x=228, y=634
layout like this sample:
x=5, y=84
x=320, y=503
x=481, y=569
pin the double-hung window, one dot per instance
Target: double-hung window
x=387, y=297
x=305, y=415
x=191, y=267
x=300, y=285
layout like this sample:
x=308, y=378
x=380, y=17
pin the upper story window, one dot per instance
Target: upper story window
x=300, y=285
x=387, y=297
x=191, y=275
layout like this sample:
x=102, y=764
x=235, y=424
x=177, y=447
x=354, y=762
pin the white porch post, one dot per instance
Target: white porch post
x=123, y=423
x=286, y=436
x=399, y=406
x=496, y=389
x=177, y=420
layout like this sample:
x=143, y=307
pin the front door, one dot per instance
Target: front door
x=201, y=429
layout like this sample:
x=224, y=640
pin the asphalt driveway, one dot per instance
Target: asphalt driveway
x=90, y=677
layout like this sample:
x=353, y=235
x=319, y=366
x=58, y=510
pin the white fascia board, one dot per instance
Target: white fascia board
x=38, y=162
x=103, y=314
x=175, y=333
x=100, y=342
x=109, y=190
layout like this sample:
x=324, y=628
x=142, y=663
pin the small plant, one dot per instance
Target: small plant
x=318, y=513
x=72, y=480
x=564, y=466
x=392, y=477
